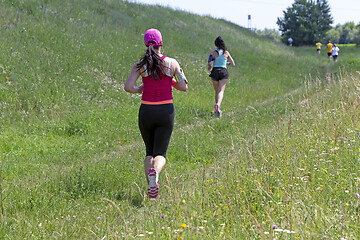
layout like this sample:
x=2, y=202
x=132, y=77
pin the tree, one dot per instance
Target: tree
x=344, y=34
x=306, y=21
x=333, y=35
x=272, y=34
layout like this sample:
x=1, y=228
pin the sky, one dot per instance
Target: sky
x=264, y=13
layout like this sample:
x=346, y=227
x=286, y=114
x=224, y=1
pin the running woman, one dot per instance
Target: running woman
x=156, y=114
x=219, y=75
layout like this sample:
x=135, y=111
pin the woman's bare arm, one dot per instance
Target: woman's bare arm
x=130, y=82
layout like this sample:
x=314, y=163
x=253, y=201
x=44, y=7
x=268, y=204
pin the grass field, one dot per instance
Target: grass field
x=282, y=163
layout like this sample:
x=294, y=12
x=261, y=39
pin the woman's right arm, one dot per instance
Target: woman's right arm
x=130, y=82
x=210, y=61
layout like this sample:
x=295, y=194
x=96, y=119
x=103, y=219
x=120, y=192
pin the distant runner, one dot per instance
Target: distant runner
x=318, y=47
x=219, y=75
x=156, y=114
x=290, y=41
x=335, y=52
x=329, y=49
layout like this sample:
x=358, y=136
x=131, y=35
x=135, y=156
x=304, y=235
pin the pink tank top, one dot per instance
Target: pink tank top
x=157, y=91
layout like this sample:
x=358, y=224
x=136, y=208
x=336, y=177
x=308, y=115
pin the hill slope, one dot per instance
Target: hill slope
x=61, y=57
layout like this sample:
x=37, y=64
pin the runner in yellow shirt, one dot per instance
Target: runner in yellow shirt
x=329, y=49
x=318, y=47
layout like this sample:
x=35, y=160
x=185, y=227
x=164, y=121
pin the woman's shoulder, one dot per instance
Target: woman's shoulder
x=214, y=53
x=173, y=63
x=170, y=59
x=226, y=54
x=167, y=58
x=137, y=64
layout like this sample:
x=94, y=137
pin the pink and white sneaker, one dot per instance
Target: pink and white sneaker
x=153, y=188
x=218, y=112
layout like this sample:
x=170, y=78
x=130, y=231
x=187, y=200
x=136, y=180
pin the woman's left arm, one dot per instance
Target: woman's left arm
x=231, y=63
x=130, y=82
x=182, y=84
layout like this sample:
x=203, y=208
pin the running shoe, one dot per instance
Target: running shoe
x=153, y=188
x=218, y=112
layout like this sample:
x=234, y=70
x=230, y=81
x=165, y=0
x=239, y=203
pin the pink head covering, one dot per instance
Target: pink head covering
x=153, y=37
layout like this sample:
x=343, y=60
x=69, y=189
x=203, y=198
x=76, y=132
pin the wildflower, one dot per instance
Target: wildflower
x=357, y=195
x=162, y=216
x=183, y=225
x=98, y=218
x=183, y=201
x=274, y=226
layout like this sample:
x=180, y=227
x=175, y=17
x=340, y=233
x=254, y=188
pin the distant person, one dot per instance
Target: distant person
x=318, y=47
x=335, y=52
x=156, y=114
x=290, y=41
x=219, y=75
x=329, y=49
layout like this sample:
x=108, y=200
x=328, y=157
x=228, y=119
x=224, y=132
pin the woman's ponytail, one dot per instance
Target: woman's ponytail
x=220, y=43
x=153, y=62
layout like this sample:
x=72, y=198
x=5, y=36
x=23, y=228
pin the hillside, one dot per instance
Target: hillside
x=71, y=152
x=63, y=59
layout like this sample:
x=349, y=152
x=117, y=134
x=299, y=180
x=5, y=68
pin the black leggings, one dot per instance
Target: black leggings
x=156, y=123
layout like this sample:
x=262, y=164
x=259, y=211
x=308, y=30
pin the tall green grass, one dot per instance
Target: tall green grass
x=285, y=153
